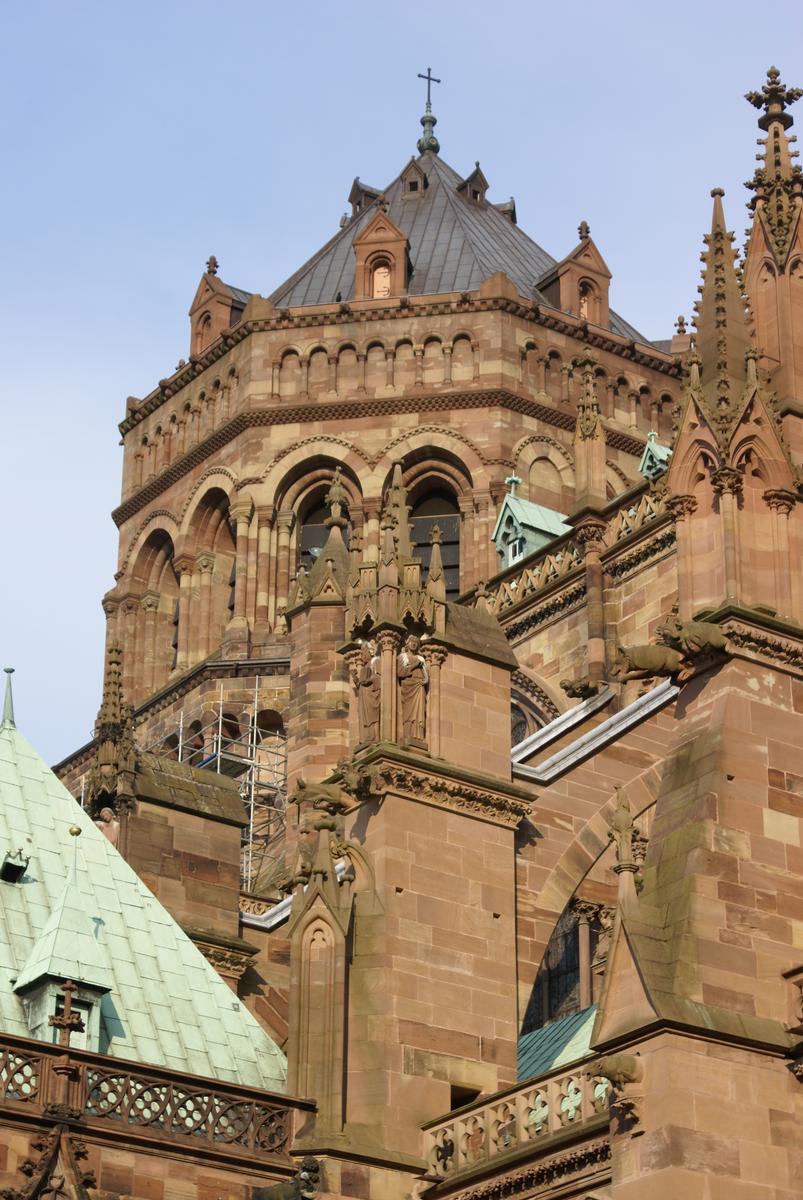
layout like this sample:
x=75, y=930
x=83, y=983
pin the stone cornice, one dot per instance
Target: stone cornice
x=340, y=410
x=432, y=781
x=310, y=318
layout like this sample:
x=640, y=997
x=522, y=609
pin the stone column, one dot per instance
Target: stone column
x=183, y=567
x=370, y=534
x=360, y=374
x=390, y=362
x=264, y=525
x=475, y=357
x=418, y=352
x=129, y=611
x=682, y=509
x=241, y=512
x=435, y=656
x=284, y=525
x=111, y=605
x=632, y=399
x=147, y=654
x=781, y=503
x=304, y=377
x=333, y=373
x=447, y=364
x=728, y=483
x=388, y=643
x=590, y=532
x=541, y=376
x=468, y=566
x=584, y=912
x=275, y=369
x=206, y=565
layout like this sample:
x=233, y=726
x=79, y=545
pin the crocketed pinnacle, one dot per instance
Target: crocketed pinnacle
x=8, y=701
x=724, y=334
x=777, y=184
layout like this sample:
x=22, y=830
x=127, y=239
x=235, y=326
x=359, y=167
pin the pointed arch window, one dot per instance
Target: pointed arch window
x=438, y=507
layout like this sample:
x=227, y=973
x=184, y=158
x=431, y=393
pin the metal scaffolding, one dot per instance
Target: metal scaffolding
x=257, y=758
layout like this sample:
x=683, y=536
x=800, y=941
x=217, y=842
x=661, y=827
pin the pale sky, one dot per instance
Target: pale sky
x=140, y=138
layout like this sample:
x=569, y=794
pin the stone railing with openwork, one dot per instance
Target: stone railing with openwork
x=534, y=1114
x=149, y=1103
x=627, y=516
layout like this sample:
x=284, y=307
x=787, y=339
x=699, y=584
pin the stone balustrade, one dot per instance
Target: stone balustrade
x=530, y=1115
x=50, y=1083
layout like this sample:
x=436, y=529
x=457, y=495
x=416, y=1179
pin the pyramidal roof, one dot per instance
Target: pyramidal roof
x=81, y=908
x=454, y=244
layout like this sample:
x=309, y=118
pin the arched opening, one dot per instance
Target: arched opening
x=588, y=302
x=438, y=507
x=380, y=279
x=312, y=533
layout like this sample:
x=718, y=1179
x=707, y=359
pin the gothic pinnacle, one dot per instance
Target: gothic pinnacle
x=8, y=702
x=777, y=184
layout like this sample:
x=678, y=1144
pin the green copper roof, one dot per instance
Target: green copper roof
x=532, y=516
x=556, y=1045
x=68, y=946
x=83, y=910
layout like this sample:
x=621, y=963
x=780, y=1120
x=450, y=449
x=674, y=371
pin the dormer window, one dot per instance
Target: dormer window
x=381, y=262
x=380, y=280
x=474, y=186
x=413, y=181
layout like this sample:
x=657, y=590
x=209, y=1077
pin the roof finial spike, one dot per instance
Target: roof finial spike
x=8, y=703
x=513, y=482
x=211, y=265
x=428, y=141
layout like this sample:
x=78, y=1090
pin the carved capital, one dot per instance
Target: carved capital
x=184, y=564
x=681, y=506
x=590, y=534
x=388, y=639
x=779, y=500
x=435, y=654
x=150, y=602
x=284, y=521
x=728, y=481
x=241, y=509
x=205, y=563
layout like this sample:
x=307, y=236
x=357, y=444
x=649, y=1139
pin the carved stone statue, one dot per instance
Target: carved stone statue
x=621, y=830
x=369, y=692
x=413, y=677
x=108, y=824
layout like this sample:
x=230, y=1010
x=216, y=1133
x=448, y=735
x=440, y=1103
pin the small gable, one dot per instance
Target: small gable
x=474, y=186
x=381, y=259
x=414, y=181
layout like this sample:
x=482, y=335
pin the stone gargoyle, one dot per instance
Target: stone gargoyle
x=643, y=662
x=624, y=1072
x=693, y=638
x=350, y=783
x=305, y=1185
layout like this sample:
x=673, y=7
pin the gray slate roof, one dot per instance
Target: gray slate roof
x=454, y=245
x=166, y=1005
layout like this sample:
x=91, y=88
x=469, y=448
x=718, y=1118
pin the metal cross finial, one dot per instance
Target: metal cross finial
x=430, y=78
x=67, y=1022
x=513, y=482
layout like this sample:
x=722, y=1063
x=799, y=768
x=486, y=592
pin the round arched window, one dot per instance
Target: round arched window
x=380, y=280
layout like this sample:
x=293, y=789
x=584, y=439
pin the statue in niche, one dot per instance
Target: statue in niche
x=413, y=677
x=369, y=692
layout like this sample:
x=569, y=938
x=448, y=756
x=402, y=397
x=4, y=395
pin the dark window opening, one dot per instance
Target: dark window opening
x=438, y=508
x=412, y=185
x=518, y=725
x=232, y=586
x=174, y=641
x=313, y=534
x=460, y=1096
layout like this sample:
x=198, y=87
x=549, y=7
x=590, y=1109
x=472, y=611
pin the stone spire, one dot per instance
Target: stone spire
x=428, y=141
x=724, y=334
x=328, y=579
x=8, y=701
x=777, y=183
x=111, y=777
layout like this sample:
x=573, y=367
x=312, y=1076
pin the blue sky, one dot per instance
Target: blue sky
x=140, y=138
